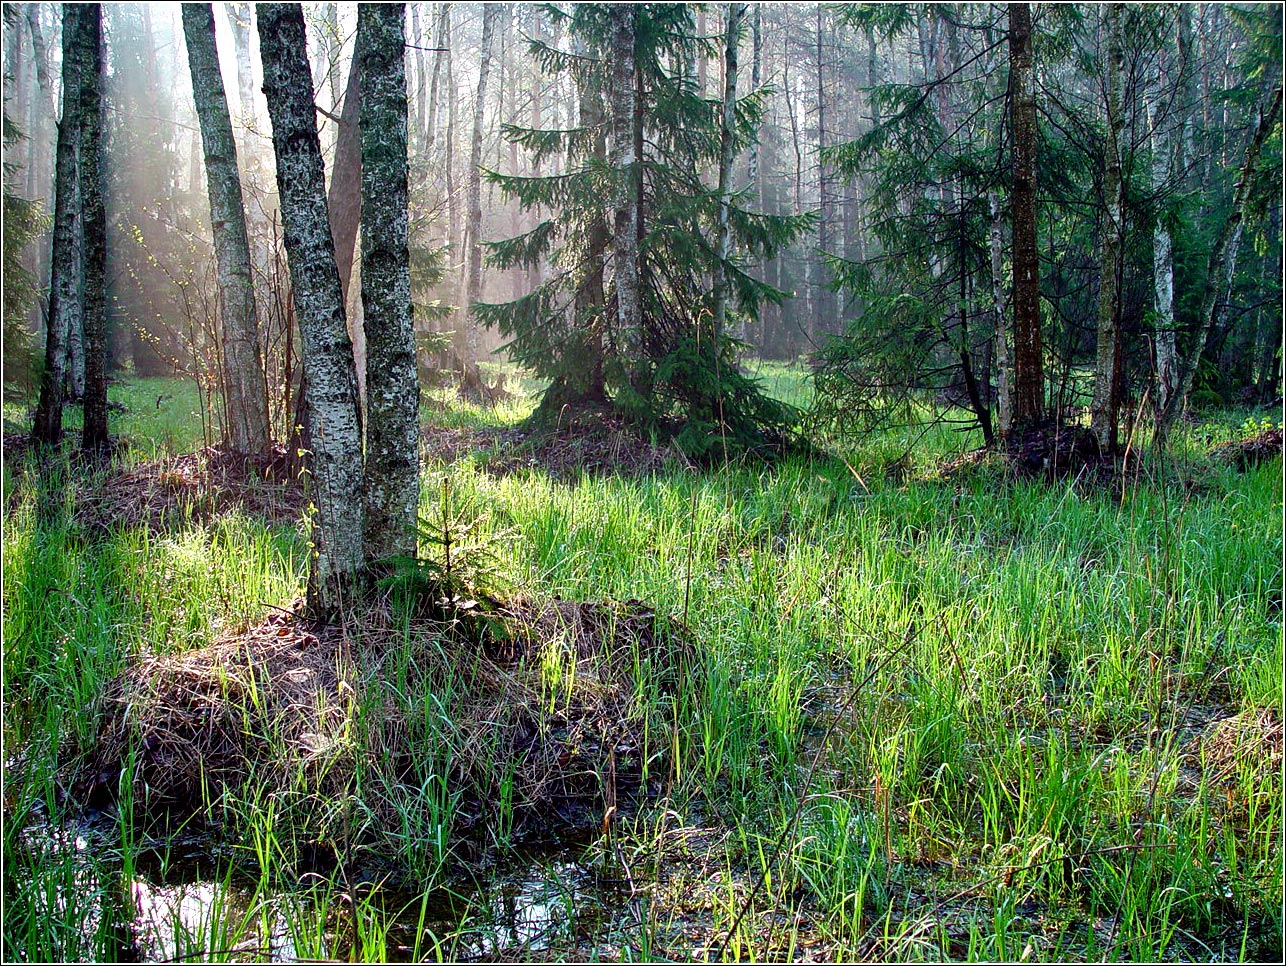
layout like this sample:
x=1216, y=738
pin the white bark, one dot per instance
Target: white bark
x=1004, y=359
x=1162, y=254
x=327, y=352
x=392, y=472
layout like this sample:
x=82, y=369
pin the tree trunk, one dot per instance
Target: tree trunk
x=442, y=31
x=392, y=491
x=827, y=313
x=728, y=118
x=1029, y=374
x=624, y=163
x=1162, y=250
x=327, y=352
x=448, y=158
x=64, y=310
x=344, y=209
x=473, y=230
x=1004, y=366
x=94, y=439
x=240, y=20
x=1222, y=256
x=1105, y=409
x=245, y=395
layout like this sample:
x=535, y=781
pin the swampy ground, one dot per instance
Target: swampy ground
x=891, y=704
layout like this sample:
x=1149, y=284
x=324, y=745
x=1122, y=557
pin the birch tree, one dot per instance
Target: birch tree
x=736, y=12
x=245, y=394
x=332, y=408
x=624, y=163
x=64, y=310
x=1219, y=266
x=473, y=229
x=392, y=478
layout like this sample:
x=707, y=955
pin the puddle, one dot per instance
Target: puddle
x=546, y=900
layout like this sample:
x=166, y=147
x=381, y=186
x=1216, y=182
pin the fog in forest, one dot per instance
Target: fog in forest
x=885, y=125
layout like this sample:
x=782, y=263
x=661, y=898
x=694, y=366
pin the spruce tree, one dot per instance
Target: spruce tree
x=633, y=163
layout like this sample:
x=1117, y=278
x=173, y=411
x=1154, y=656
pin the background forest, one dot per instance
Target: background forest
x=636, y=482
x=877, y=135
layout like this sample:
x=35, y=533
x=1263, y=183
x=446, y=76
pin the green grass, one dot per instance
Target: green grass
x=997, y=693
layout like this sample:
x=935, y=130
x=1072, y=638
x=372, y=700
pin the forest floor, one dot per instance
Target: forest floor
x=899, y=705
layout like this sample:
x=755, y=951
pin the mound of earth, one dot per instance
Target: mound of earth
x=550, y=721
x=585, y=440
x=1052, y=452
x=195, y=486
x=1251, y=451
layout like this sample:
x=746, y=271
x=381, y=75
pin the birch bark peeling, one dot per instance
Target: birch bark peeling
x=327, y=352
x=392, y=473
x=246, y=395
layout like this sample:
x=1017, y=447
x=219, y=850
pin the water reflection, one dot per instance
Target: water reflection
x=177, y=910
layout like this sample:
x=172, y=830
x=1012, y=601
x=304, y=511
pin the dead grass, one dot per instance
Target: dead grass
x=195, y=486
x=1251, y=451
x=285, y=701
x=584, y=440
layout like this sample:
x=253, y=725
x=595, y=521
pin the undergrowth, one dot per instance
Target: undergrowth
x=924, y=718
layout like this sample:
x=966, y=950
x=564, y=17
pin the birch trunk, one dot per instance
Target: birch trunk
x=65, y=267
x=728, y=121
x=245, y=394
x=1223, y=258
x=1004, y=364
x=431, y=127
x=624, y=162
x=94, y=439
x=240, y=20
x=1107, y=367
x=1029, y=375
x=1162, y=254
x=827, y=309
x=327, y=353
x=473, y=277
x=392, y=491
x=344, y=211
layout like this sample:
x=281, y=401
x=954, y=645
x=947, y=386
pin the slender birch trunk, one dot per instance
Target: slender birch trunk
x=64, y=310
x=327, y=353
x=392, y=474
x=624, y=162
x=736, y=12
x=1107, y=365
x=245, y=394
x=473, y=275
x=1162, y=252
x=1223, y=258
x=1004, y=364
